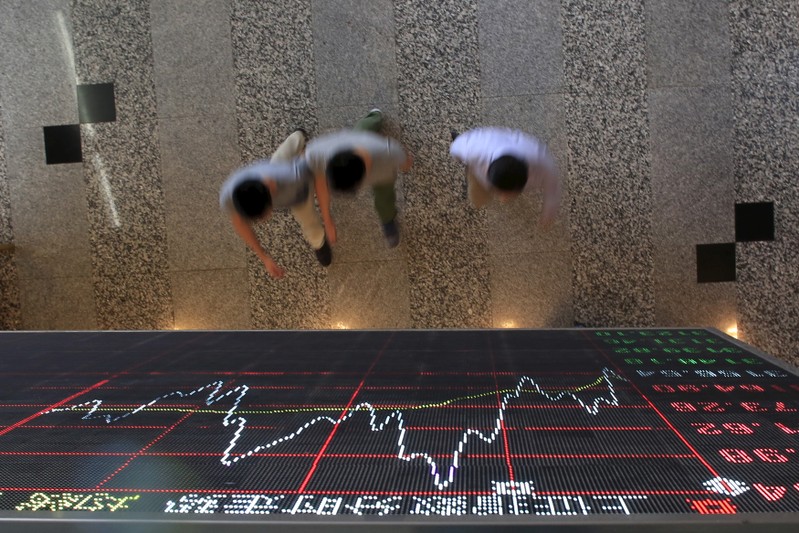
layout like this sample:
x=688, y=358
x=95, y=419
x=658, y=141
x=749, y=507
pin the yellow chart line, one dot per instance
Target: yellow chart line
x=334, y=408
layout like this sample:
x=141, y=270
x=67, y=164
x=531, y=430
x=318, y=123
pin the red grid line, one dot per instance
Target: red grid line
x=12, y=427
x=300, y=407
x=102, y=426
x=140, y=452
x=538, y=428
x=465, y=455
x=506, y=446
x=109, y=405
x=341, y=417
x=73, y=387
x=283, y=373
x=659, y=413
x=367, y=493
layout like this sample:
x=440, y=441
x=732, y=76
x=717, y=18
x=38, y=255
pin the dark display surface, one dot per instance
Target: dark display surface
x=395, y=423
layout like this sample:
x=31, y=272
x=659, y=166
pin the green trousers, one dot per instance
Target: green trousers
x=384, y=196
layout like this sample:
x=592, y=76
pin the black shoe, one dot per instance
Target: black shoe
x=324, y=254
x=391, y=233
x=453, y=134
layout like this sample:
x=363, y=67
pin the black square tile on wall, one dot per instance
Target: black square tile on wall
x=715, y=262
x=754, y=222
x=62, y=144
x=96, y=103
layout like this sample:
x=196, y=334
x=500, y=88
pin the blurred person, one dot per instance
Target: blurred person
x=503, y=162
x=361, y=157
x=251, y=193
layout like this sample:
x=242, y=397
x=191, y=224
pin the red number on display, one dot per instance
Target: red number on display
x=683, y=407
x=731, y=427
x=767, y=455
x=731, y=455
x=737, y=429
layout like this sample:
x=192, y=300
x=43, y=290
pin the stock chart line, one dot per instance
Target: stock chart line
x=442, y=478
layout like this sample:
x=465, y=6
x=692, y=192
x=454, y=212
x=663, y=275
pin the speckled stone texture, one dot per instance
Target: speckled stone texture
x=439, y=90
x=276, y=91
x=521, y=66
x=765, y=74
x=609, y=177
x=356, y=70
x=38, y=89
x=10, y=317
x=520, y=47
x=121, y=164
x=692, y=164
x=765, y=41
x=603, y=45
x=531, y=290
x=661, y=113
x=768, y=313
x=688, y=42
x=611, y=210
x=198, y=138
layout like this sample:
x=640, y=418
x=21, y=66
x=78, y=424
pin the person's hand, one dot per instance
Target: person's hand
x=273, y=269
x=406, y=166
x=546, y=221
x=330, y=231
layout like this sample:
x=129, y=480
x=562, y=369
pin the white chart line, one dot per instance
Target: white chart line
x=441, y=479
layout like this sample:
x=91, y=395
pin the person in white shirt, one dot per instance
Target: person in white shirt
x=503, y=162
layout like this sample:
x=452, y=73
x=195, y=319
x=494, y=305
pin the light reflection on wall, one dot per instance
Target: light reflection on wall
x=88, y=129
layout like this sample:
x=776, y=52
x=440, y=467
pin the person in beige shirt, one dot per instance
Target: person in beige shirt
x=351, y=159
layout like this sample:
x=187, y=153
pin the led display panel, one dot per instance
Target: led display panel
x=387, y=425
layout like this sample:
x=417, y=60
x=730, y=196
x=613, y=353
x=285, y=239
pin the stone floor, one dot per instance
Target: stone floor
x=675, y=124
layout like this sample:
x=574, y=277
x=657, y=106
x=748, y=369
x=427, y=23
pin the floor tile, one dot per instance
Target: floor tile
x=96, y=103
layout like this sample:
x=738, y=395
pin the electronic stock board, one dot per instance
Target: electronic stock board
x=583, y=429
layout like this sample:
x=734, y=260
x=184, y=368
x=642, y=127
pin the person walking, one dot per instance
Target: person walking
x=503, y=162
x=361, y=157
x=251, y=193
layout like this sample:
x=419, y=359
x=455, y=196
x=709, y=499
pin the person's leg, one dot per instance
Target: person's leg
x=290, y=148
x=385, y=202
x=306, y=216
x=373, y=121
x=478, y=194
x=386, y=206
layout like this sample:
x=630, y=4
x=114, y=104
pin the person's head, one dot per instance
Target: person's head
x=345, y=170
x=251, y=198
x=508, y=174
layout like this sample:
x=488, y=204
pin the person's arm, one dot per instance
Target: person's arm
x=459, y=149
x=247, y=234
x=551, y=186
x=408, y=163
x=323, y=195
x=401, y=156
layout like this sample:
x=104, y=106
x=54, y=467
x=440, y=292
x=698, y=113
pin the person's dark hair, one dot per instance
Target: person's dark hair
x=345, y=171
x=251, y=198
x=508, y=173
